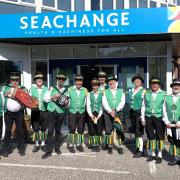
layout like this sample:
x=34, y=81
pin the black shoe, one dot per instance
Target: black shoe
x=120, y=150
x=58, y=151
x=93, y=148
x=36, y=149
x=173, y=163
x=151, y=158
x=46, y=155
x=98, y=148
x=110, y=150
x=5, y=154
x=71, y=149
x=136, y=151
x=80, y=148
x=158, y=160
x=138, y=154
x=22, y=152
x=43, y=148
x=104, y=147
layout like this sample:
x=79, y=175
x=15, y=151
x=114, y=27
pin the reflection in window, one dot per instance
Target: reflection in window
x=132, y=3
x=95, y=4
x=64, y=5
x=50, y=3
x=107, y=4
x=85, y=51
x=153, y=4
x=60, y=52
x=28, y=1
x=142, y=3
x=134, y=50
x=5, y=68
x=39, y=52
x=109, y=51
x=79, y=5
x=119, y=4
x=172, y=1
x=46, y=11
x=163, y=5
x=178, y=2
x=6, y=8
x=157, y=49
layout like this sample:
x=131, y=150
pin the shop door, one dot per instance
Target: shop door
x=91, y=71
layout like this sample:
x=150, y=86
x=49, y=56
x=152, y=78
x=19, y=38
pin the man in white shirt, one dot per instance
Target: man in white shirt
x=76, y=118
x=113, y=102
x=151, y=115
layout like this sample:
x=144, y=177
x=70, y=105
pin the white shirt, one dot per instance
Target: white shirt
x=39, y=90
x=165, y=116
x=88, y=105
x=102, y=86
x=106, y=105
x=12, y=105
x=47, y=96
x=154, y=94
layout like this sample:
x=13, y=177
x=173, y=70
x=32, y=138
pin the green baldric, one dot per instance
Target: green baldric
x=136, y=99
x=40, y=96
x=95, y=103
x=113, y=101
x=77, y=102
x=154, y=107
x=172, y=109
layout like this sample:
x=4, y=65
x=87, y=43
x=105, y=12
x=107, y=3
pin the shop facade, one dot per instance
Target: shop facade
x=120, y=42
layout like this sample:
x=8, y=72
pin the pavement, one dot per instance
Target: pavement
x=87, y=165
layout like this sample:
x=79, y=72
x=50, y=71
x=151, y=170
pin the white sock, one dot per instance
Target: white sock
x=160, y=153
x=119, y=145
x=141, y=144
x=153, y=153
x=43, y=143
x=36, y=143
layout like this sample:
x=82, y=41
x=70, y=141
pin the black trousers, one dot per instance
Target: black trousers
x=55, y=121
x=76, y=121
x=155, y=128
x=39, y=121
x=109, y=125
x=18, y=117
x=95, y=129
x=173, y=139
x=137, y=127
x=1, y=127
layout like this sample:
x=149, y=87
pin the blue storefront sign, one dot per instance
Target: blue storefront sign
x=91, y=23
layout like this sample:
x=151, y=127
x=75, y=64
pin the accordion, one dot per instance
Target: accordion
x=24, y=98
x=62, y=101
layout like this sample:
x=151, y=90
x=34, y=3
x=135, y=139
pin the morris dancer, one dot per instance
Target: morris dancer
x=94, y=120
x=171, y=117
x=77, y=97
x=136, y=96
x=39, y=116
x=113, y=103
x=56, y=115
x=14, y=111
x=151, y=113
